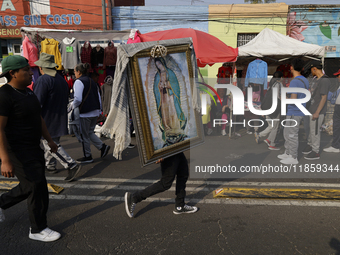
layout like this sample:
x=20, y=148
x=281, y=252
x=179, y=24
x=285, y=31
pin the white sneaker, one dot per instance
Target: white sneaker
x=2, y=215
x=290, y=161
x=209, y=131
x=249, y=132
x=283, y=156
x=331, y=149
x=46, y=235
x=223, y=132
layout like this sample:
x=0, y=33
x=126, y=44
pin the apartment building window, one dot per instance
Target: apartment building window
x=244, y=38
x=40, y=7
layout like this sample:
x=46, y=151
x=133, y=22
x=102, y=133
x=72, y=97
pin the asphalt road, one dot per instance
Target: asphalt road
x=91, y=217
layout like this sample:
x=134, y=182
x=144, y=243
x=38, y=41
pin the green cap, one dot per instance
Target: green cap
x=12, y=63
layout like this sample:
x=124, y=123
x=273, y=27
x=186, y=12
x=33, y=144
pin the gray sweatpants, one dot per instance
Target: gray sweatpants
x=51, y=161
x=291, y=135
x=87, y=126
x=271, y=129
x=314, y=132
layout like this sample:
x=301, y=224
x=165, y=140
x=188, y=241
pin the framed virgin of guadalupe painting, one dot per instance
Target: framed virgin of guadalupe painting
x=162, y=102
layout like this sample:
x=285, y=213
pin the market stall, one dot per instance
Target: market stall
x=272, y=51
x=71, y=47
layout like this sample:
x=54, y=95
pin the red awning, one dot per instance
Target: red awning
x=209, y=49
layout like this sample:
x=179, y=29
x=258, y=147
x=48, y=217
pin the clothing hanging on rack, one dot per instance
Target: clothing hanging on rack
x=30, y=51
x=69, y=52
x=110, y=56
x=257, y=72
x=97, y=56
x=51, y=46
x=85, y=54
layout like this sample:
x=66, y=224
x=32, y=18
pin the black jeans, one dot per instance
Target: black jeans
x=336, y=127
x=30, y=170
x=176, y=165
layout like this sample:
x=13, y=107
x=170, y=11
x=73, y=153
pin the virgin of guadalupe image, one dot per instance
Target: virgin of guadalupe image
x=167, y=94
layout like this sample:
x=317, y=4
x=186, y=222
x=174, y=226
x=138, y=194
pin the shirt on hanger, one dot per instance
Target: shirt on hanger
x=97, y=56
x=257, y=72
x=51, y=46
x=30, y=51
x=69, y=53
x=110, y=56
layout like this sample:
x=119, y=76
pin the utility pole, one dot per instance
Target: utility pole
x=110, y=13
x=104, y=15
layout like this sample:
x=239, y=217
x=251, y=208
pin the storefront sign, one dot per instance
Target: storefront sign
x=54, y=14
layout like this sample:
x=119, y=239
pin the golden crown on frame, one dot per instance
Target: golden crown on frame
x=158, y=51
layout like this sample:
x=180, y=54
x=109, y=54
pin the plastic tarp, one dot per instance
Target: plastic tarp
x=208, y=48
x=271, y=43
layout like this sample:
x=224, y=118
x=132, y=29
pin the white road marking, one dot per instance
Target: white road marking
x=267, y=202
x=198, y=182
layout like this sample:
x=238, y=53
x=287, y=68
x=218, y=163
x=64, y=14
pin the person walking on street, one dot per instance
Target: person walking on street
x=273, y=126
x=294, y=115
x=87, y=98
x=52, y=92
x=174, y=166
x=336, y=123
x=318, y=109
x=21, y=127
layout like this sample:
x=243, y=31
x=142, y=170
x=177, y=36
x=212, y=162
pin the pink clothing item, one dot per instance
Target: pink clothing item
x=135, y=39
x=257, y=95
x=30, y=51
x=224, y=117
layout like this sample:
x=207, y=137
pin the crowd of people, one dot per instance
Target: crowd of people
x=32, y=123
x=320, y=87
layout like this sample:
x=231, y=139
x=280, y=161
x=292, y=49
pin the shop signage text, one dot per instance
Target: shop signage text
x=35, y=20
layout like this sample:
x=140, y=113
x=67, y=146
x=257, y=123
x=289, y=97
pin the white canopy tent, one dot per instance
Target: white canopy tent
x=276, y=49
x=271, y=44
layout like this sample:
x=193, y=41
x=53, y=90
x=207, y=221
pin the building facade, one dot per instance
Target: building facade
x=53, y=14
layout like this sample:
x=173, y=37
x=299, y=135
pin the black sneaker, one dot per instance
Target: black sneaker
x=84, y=160
x=185, y=209
x=312, y=155
x=308, y=149
x=131, y=146
x=51, y=170
x=129, y=205
x=72, y=172
x=104, y=150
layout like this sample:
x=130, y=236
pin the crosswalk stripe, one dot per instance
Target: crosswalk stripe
x=254, y=202
x=125, y=187
x=200, y=182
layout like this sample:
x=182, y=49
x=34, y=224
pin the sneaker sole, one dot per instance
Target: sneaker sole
x=331, y=151
x=84, y=162
x=267, y=142
x=175, y=212
x=295, y=163
x=44, y=240
x=272, y=149
x=306, y=152
x=281, y=157
x=126, y=205
x=312, y=158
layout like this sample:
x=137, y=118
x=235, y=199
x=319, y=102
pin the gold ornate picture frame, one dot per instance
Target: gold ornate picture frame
x=161, y=102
